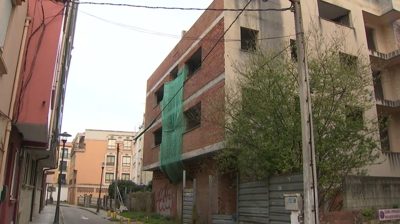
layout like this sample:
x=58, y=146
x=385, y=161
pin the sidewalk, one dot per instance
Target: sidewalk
x=47, y=215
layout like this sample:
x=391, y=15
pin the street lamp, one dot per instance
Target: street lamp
x=101, y=181
x=64, y=136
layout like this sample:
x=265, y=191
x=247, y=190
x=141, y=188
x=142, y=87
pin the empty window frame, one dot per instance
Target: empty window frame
x=194, y=62
x=109, y=177
x=174, y=73
x=248, y=39
x=378, y=88
x=157, y=137
x=348, y=60
x=354, y=115
x=110, y=160
x=193, y=116
x=159, y=95
x=334, y=13
x=370, y=33
x=384, y=133
x=293, y=49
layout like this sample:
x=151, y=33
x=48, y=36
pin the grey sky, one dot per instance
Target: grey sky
x=111, y=63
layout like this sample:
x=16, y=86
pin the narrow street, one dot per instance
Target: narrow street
x=74, y=215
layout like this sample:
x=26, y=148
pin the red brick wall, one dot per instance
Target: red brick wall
x=205, y=20
x=342, y=217
x=211, y=68
x=223, y=193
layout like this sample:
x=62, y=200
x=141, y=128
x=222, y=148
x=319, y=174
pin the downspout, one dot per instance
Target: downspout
x=14, y=95
x=43, y=187
x=34, y=186
x=21, y=161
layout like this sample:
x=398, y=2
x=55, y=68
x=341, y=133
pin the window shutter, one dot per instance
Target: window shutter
x=5, y=15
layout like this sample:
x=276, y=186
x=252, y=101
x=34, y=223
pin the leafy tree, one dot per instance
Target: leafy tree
x=261, y=115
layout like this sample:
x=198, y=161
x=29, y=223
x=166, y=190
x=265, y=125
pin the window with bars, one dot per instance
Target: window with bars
x=109, y=177
x=110, y=161
x=126, y=161
x=125, y=176
x=111, y=144
x=63, y=165
x=127, y=145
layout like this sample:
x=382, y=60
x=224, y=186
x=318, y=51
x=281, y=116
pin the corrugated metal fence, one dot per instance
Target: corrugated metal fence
x=188, y=202
x=263, y=201
x=278, y=186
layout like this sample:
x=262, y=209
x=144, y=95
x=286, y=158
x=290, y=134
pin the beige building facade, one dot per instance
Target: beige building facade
x=89, y=150
x=140, y=177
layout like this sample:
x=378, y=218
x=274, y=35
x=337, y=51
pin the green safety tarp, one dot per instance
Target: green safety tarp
x=173, y=126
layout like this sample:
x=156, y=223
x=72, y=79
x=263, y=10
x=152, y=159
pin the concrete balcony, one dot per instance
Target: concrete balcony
x=387, y=105
x=388, y=60
x=381, y=11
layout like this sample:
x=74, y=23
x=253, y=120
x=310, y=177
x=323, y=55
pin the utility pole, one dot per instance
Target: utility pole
x=309, y=163
x=116, y=181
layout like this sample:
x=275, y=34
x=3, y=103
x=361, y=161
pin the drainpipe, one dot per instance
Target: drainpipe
x=14, y=95
x=34, y=186
x=20, y=160
x=43, y=187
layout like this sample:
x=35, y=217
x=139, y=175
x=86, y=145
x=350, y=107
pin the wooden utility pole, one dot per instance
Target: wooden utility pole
x=309, y=163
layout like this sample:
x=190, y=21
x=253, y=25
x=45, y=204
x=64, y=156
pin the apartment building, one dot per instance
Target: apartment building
x=369, y=25
x=36, y=39
x=89, y=150
x=140, y=177
x=64, y=165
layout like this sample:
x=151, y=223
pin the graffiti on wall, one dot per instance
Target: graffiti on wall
x=165, y=200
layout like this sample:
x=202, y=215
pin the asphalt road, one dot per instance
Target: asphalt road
x=74, y=215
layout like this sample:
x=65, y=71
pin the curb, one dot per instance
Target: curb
x=62, y=216
x=83, y=208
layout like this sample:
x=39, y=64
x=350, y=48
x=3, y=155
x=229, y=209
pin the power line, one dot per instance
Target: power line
x=180, y=8
x=141, y=30
x=222, y=36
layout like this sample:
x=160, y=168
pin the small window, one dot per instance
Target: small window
x=157, y=136
x=354, y=115
x=248, y=39
x=109, y=177
x=293, y=49
x=174, y=73
x=64, y=152
x=159, y=95
x=127, y=145
x=125, y=176
x=193, y=116
x=334, y=13
x=378, y=88
x=348, y=60
x=63, y=165
x=384, y=133
x=110, y=160
x=370, y=33
x=63, y=178
x=126, y=161
x=194, y=62
x=111, y=144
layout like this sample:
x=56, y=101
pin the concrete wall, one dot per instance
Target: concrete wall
x=368, y=192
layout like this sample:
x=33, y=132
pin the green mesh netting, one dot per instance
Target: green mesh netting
x=173, y=126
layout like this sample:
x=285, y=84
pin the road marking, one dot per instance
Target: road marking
x=83, y=217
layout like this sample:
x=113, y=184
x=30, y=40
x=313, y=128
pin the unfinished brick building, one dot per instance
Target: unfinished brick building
x=208, y=67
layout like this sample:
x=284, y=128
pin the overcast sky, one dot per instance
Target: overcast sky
x=115, y=52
